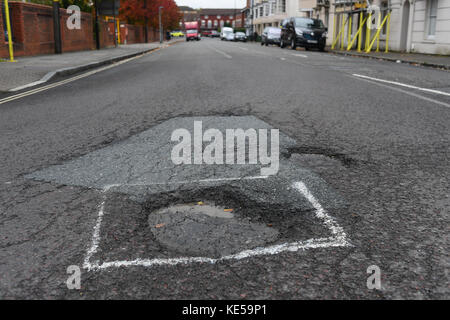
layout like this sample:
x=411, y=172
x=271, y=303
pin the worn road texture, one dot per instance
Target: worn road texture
x=375, y=155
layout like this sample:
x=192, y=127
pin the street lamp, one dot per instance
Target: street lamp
x=160, y=26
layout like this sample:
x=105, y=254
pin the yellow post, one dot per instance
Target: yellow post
x=118, y=31
x=368, y=31
x=357, y=35
x=8, y=28
x=375, y=37
x=334, y=31
x=379, y=27
x=349, y=27
x=343, y=32
x=361, y=23
x=388, y=28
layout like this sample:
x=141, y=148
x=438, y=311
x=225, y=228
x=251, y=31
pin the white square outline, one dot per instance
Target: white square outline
x=338, y=238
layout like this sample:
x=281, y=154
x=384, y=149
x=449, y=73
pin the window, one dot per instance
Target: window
x=206, y=17
x=432, y=16
x=209, y=24
x=216, y=23
x=203, y=23
x=282, y=6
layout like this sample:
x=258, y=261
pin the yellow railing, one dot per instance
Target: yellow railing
x=340, y=35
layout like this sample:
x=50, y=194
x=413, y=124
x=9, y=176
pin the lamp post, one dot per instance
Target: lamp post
x=160, y=26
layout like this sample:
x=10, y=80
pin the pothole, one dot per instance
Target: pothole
x=207, y=230
x=322, y=154
x=174, y=224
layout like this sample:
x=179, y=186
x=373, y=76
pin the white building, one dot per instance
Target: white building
x=416, y=25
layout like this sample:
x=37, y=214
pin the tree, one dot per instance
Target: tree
x=136, y=11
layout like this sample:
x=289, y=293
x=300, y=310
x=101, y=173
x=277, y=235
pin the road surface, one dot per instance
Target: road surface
x=370, y=139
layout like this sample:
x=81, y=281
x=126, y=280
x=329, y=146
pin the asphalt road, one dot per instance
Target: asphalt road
x=375, y=153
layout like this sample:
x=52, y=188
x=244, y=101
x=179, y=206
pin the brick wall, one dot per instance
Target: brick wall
x=3, y=44
x=130, y=34
x=32, y=29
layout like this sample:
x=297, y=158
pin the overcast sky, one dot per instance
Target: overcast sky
x=211, y=3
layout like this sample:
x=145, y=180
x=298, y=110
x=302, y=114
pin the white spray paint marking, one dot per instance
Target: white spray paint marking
x=338, y=239
x=403, y=85
x=282, y=59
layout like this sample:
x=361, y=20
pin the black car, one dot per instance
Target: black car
x=271, y=35
x=240, y=36
x=303, y=32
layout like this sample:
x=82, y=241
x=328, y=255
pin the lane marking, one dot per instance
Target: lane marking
x=338, y=239
x=226, y=55
x=447, y=105
x=84, y=75
x=300, y=55
x=403, y=85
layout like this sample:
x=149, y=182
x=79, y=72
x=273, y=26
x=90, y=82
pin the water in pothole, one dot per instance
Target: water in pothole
x=207, y=230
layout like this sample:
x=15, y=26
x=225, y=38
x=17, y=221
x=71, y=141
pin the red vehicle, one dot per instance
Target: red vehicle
x=207, y=33
x=192, y=32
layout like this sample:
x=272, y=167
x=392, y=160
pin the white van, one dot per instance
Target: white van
x=225, y=33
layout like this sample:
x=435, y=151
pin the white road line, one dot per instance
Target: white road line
x=338, y=239
x=447, y=105
x=242, y=48
x=300, y=55
x=226, y=55
x=403, y=85
x=60, y=83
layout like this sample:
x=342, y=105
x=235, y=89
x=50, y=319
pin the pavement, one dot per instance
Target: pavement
x=31, y=71
x=429, y=60
x=87, y=179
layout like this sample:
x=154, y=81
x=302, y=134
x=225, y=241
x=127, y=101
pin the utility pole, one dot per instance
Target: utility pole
x=145, y=22
x=252, y=13
x=96, y=27
x=115, y=25
x=57, y=27
x=160, y=26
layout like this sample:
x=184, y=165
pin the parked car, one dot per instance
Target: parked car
x=215, y=34
x=227, y=34
x=240, y=36
x=271, y=35
x=177, y=33
x=303, y=32
x=207, y=33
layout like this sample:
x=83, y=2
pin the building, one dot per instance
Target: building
x=188, y=14
x=213, y=19
x=416, y=25
x=270, y=13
